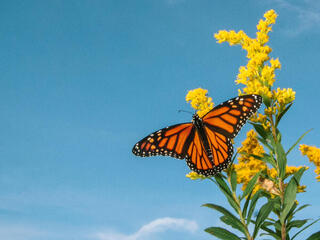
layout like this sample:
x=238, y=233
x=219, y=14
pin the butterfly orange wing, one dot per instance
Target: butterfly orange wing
x=221, y=124
x=228, y=117
x=215, y=159
x=170, y=141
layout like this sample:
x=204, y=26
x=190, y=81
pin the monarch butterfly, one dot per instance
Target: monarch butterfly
x=205, y=143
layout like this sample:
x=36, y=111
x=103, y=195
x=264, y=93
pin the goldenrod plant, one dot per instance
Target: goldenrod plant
x=260, y=187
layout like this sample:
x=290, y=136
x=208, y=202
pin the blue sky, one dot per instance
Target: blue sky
x=83, y=80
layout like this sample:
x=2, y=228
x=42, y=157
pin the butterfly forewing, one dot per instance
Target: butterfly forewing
x=228, y=117
x=206, y=146
x=171, y=141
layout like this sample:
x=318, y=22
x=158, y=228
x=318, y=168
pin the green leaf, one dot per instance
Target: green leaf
x=266, y=158
x=279, y=137
x=305, y=228
x=278, y=118
x=281, y=159
x=296, y=224
x=260, y=130
x=270, y=232
x=236, y=222
x=290, y=213
x=246, y=204
x=266, y=100
x=300, y=208
x=297, y=176
x=290, y=193
x=253, y=203
x=262, y=215
x=227, y=192
x=277, y=205
x=221, y=233
x=315, y=236
x=250, y=185
x=299, y=139
x=289, y=197
x=233, y=158
x=233, y=180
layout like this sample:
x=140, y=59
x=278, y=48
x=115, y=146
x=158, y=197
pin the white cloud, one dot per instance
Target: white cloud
x=307, y=13
x=156, y=226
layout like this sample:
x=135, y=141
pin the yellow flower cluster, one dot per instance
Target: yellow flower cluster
x=290, y=170
x=284, y=96
x=313, y=153
x=200, y=101
x=257, y=76
x=195, y=176
x=248, y=165
x=261, y=119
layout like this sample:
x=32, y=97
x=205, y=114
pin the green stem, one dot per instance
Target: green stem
x=242, y=219
x=280, y=183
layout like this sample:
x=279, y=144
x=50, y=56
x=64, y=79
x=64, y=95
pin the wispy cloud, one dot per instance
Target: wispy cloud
x=307, y=14
x=156, y=226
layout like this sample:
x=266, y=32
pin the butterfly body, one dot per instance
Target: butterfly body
x=199, y=127
x=205, y=142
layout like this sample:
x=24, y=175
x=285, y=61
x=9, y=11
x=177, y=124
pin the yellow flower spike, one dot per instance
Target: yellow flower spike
x=285, y=96
x=313, y=153
x=275, y=63
x=258, y=76
x=270, y=110
x=302, y=188
x=270, y=16
x=195, y=176
x=248, y=166
x=200, y=101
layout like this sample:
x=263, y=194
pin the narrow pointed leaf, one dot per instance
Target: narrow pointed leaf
x=269, y=231
x=222, y=233
x=246, y=204
x=296, y=224
x=278, y=118
x=251, y=185
x=290, y=193
x=309, y=225
x=289, y=197
x=253, y=203
x=281, y=159
x=233, y=180
x=315, y=236
x=227, y=192
x=265, y=143
x=236, y=222
x=300, y=208
x=296, y=143
x=260, y=130
x=262, y=215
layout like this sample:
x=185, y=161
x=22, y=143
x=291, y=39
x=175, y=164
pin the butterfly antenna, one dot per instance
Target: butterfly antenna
x=179, y=111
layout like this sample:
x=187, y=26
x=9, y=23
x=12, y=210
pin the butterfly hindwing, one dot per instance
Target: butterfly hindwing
x=213, y=160
x=205, y=142
x=228, y=117
x=170, y=141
